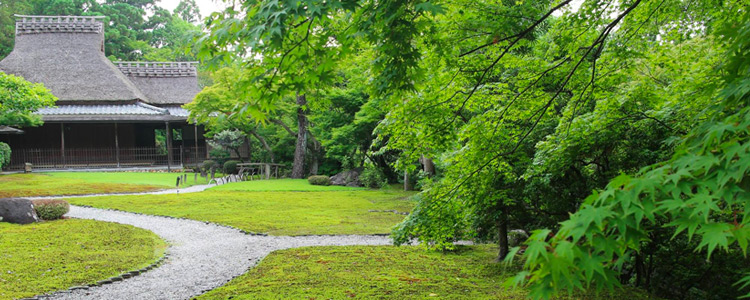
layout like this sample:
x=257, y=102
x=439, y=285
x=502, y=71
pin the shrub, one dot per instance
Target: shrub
x=207, y=164
x=372, y=177
x=4, y=154
x=319, y=180
x=219, y=155
x=51, y=209
x=230, y=167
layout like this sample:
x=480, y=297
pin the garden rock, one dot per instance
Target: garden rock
x=517, y=237
x=348, y=178
x=17, y=210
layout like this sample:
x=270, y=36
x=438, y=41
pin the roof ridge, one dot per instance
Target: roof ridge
x=54, y=24
x=158, y=69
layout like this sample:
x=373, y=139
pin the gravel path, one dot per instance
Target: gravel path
x=190, y=189
x=201, y=257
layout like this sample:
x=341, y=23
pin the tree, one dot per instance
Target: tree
x=699, y=192
x=19, y=99
x=188, y=11
x=214, y=108
x=229, y=140
x=528, y=106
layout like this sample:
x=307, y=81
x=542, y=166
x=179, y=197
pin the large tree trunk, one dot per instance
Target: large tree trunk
x=429, y=166
x=263, y=142
x=298, y=168
x=502, y=234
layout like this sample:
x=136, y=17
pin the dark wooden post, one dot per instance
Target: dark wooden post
x=169, y=147
x=195, y=128
x=62, y=142
x=117, y=146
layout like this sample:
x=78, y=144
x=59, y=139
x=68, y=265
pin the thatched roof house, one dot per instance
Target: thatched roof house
x=102, y=104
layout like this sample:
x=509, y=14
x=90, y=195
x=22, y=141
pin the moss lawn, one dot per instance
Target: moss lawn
x=55, y=255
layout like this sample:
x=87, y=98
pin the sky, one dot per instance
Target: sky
x=206, y=6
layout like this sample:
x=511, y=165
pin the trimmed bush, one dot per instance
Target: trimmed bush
x=230, y=167
x=207, y=164
x=319, y=180
x=51, y=209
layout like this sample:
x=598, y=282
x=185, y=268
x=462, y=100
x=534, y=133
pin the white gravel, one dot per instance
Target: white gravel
x=190, y=189
x=202, y=256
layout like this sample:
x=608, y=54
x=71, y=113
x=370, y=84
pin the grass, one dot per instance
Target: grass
x=56, y=255
x=276, y=213
x=80, y=183
x=381, y=272
x=143, y=178
x=289, y=185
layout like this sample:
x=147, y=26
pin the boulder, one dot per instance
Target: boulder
x=347, y=178
x=17, y=210
x=517, y=237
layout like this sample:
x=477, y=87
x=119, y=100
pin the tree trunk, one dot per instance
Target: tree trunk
x=314, y=163
x=429, y=166
x=298, y=168
x=502, y=234
x=407, y=184
x=263, y=142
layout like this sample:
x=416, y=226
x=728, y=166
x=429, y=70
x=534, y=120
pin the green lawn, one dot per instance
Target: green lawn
x=381, y=272
x=276, y=213
x=79, y=183
x=147, y=178
x=280, y=185
x=56, y=255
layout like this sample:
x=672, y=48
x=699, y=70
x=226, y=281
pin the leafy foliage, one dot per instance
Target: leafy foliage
x=20, y=98
x=5, y=153
x=700, y=192
x=372, y=177
x=526, y=107
x=228, y=140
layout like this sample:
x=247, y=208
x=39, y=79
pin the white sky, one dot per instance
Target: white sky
x=206, y=7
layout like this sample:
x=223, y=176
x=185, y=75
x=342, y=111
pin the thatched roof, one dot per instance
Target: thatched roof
x=66, y=54
x=163, y=82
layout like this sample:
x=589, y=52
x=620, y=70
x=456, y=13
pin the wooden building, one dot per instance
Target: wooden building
x=121, y=114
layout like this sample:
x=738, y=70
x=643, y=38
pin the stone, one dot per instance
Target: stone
x=516, y=237
x=18, y=211
x=347, y=178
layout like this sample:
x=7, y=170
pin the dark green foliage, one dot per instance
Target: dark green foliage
x=51, y=209
x=4, y=154
x=373, y=177
x=319, y=180
x=230, y=166
x=219, y=156
x=208, y=164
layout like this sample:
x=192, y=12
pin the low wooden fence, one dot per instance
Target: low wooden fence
x=85, y=158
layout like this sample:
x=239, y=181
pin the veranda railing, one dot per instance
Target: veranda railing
x=83, y=158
